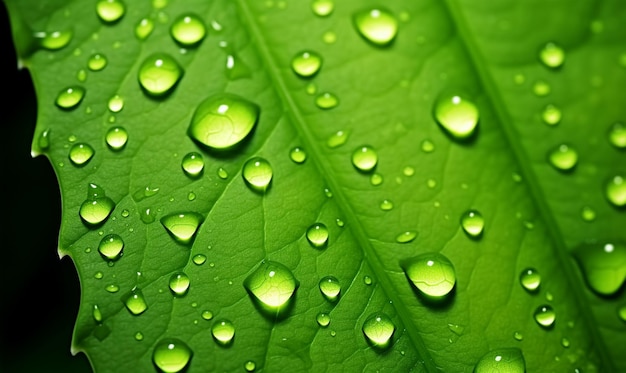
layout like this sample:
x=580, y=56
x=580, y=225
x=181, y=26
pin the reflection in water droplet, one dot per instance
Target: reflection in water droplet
x=97, y=62
x=135, y=302
x=505, y=360
x=70, y=97
x=110, y=11
x=182, y=226
x=271, y=286
x=188, y=30
x=617, y=135
x=297, y=154
x=193, y=164
x=406, y=237
x=330, y=288
x=111, y=247
x=171, y=355
x=364, y=158
x=223, y=332
x=552, y=55
x=603, y=266
x=326, y=100
x=378, y=330
x=179, y=284
x=306, y=63
x=323, y=8
x=257, y=173
x=144, y=28
x=530, y=279
x=458, y=116
x=616, y=191
x=545, y=316
x=81, y=153
x=473, y=223
x=377, y=26
x=159, y=73
x=432, y=274
x=116, y=138
x=54, y=40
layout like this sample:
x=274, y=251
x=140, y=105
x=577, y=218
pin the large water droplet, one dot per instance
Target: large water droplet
x=326, y=100
x=116, y=138
x=378, y=330
x=377, y=26
x=193, y=164
x=323, y=8
x=617, y=135
x=223, y=332
x=504, y=360
x=54, y=40
x=552, y=55
x=171, y=355
x=271, y=286
x=473, y=223
x=81, y=153
x=144, y=28
x=188, y=30
x=70, y=97
x=110, y=11
x=615, y=190
x=306, y=63
x=530, y=279
x=545, y=316
x=111, y=247
x=257, y=173
x=330, y=288
x=317, y=235
x=179, y=284
x=458, y=116
x=182, y=226
x=97, y=207
x=563, y=157
x=432, y=274
x=603, y=266
x=551, y=115
x=135, y=302
x=159, y=73
x=221, y=122
x=364, y=158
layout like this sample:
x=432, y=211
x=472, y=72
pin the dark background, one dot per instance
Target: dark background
x=41, y=292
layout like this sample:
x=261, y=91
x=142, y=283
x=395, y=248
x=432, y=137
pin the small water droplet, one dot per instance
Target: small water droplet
x=337, y=139
x=81, y=153
x=615, y=190
x=135, y=302
x=199, y=259
x=329, y=37
x=518, y=336
x=207, y=315
x=330, y=288
x=376, y=179
x=386, y=205
x=188, y=30
x=317, y=235
x=323, y=8
x=306, y=63
x=588, y=214
x=367, y=280
x=406, y=237
x=171, y=355
x=297, y=155
x=326, y=100
x=377, y=26
x=249, y=366
x=159, y=73
x=603, y=266
x=509, y=360
x=97, y=314
x=323, y=319
x=68, y=98
x=541, y=88
x=432, y=274
x=139, y=336
x=81, y=75
x=530, y=279
x=565, y=342
x=563, y=157
x=257, y=173
x=408, y=171
x=110, y=11
x=97, y=207
x=378, y=330
x=193, y=164
x=551, y=115
x=97, y=62
x=458, y=116
x=179, y=284
x=271, y=286
x=223, y=332
x=617, y=135
x=545, y=316
x=473, y=223
x=112, y=288
x=339, y=222
x=54, y=40
x=98, y=275
x=182, y=226
x=116, y=104
x=144, y=28
x=44, y=139
x=552, y=55
x=364, y=158
x=116, y=138
x=111, y=247
x=222, y=122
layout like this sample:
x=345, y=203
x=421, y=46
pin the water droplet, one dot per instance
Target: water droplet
x=588, y=214
x=222, y=173
x=222, y=122
x=110, y=11
x=159, y=73
x=326, y=100
x=135, y=301
x=271, y=286
x=139, y=336
x=541, y=88
x=171, y=355
x=188, y=30
x=323, y=8
x=116, y=104
x=323, y=319
x=193, y=164
x=330, y=288
x=377, y=26
x=81, y=153
x=249, y=366
x=530, y=279
x=432, y=274
x=116, y=138
x=339, y=222
x=297, y=155
x=44, y=139
x=70, y=97
x=376, y=179
x=199, y=259
x=367, y=280
x=257, y=173
x=621, y=313
x=223, y=331
x=563, y=157
x=518, y=336
x=54, y=40
x=329, y=37
x=386, y=205
x=551, y=115
x=235, y=67
x=603, y=266
x=545, y=316
x=144, y=28
x=97, y=207
x=364, y=158
x=509, y=360
x=616, y=191
x=112, y=288
x=473, y=223
x=552, y=55
x=97, y=62
x=111, y=247
x=207, y=315
x=97, y=314
x=406, y=237
x=306, y=63
x=98, y=275
x=458, y=116
x=337, y=139
x=182, y=226
x=179, y=284
x=378, y=330
x=317, y=235
x=617, y=135
x=565, y=342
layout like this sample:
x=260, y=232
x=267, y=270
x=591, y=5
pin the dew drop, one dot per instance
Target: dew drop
x=377, y=26
x=207, y=315
x=257, y=173
x=193, y=164
x=367, y=280
x=432, y=274
x=81, y=153
x=97, y=62
x=364, y=158
x=223, y=332
x=116, y=104
x=116, y=138
x=588, y=214
x=330, y=288
x=111, y=247
x=306, y=63
x=406, y=237
x=565, y=342
x=188, y=30
x=317, y=235
x=457, y=116
x=530, y=279
x=615, y=191
x=617, y=135
x=135, y=302
x=179, y=284
x=97, y=207
x=473, y=223
x=408, y=171
x=541, y=88
x=563, y=157
x=545, y=316
x=97, y=314
x=139, y=336
x=337, y=139
x=159, y=73
x=271, y=286
x=552, y=55
x=323, y=319
x=44, y=139
x=110, y=11
x=182, y=226
x=603, y=266
x=509, y=360
x=329, y=37
x=222, y=122
x=68, y=98
x=323, y=8
x=222, y=173
x=326, y=100
x=249, y=366
x=386, y=205
x=112, y=288
x=171, y=355
x=144, y=28
x=551, y=115
x=54, y=40
x=297, y=155
x=81, y=75
x=199, y=259
x=236, y=68
x=376, y=179
x=339, y=222
x=518, y=336
x=378, y=330
x=98, y=275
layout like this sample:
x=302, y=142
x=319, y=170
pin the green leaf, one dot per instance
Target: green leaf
x=394, y=171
